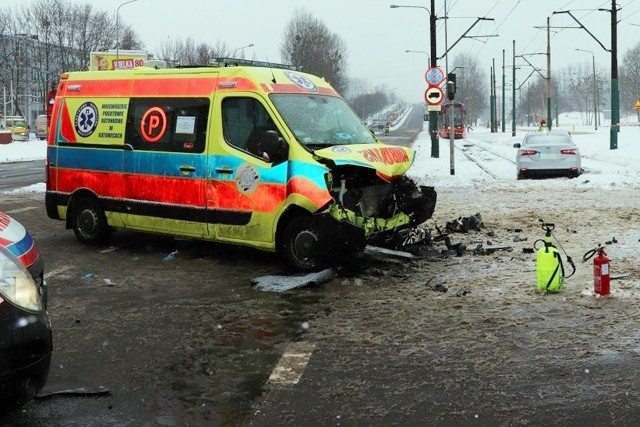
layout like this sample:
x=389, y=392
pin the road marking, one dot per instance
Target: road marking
x=28, y=208
x=292, y=364
x=57, y=271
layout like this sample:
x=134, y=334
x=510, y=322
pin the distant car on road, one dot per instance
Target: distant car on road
x=41, y=127
x=17, y=125
x=377, y=125
x=548, y=153
x=25, y=328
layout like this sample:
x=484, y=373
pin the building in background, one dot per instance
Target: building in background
x=27, y=70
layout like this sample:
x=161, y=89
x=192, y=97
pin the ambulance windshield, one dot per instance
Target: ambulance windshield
x=318, y=120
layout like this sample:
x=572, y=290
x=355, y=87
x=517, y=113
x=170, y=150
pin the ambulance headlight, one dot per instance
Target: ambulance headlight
x=16, y=284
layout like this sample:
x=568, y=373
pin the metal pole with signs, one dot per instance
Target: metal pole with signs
x=434, y=95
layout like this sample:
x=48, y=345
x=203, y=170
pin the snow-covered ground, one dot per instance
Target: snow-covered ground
x=602, y=166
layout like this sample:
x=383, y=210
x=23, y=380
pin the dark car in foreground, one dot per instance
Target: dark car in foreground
x=25, y=329
x=548, y=153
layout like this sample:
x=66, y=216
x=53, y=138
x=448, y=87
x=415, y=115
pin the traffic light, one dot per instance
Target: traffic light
x=451, y=86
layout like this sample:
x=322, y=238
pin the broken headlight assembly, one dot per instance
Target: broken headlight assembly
x=16, y=284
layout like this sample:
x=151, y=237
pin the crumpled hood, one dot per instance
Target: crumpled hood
x=389, y=161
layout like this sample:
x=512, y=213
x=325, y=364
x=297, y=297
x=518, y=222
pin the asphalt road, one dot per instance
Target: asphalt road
x=21, y=174
x=408, y=132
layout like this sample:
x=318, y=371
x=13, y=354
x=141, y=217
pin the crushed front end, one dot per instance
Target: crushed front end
x=369, y=207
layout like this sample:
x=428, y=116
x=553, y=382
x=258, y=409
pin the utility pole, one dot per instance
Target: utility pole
x=503, y=92
x=615, y=94
x=433, y=115
x=513, y=97
x=491, y=106
x=451, y=124
x=549, y=115
x=495, y=99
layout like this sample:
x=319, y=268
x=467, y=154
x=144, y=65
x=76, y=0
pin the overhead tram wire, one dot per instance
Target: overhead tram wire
x=630, y=15
x=496, y=4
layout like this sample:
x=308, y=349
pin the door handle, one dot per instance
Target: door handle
x=224, y=170
x=187, y=169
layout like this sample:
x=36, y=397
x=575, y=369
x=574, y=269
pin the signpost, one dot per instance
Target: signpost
x=433, y=95
x=434, y=76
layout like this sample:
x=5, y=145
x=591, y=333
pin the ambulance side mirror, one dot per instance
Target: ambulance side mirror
x=276, y=147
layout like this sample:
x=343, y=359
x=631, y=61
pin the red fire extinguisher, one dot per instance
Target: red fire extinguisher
x=601, y=271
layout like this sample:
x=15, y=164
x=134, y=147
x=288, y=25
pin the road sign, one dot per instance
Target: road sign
x=434, y=76
x=433, y=95
x=637, y=105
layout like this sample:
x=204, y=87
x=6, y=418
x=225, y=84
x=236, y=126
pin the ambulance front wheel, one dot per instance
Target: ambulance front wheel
x=89, y=222
x=300, y=244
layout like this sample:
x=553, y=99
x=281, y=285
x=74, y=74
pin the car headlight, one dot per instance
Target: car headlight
x=16, y=284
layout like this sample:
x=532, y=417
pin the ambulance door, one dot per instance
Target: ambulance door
x=166, y=165
x=249, y=172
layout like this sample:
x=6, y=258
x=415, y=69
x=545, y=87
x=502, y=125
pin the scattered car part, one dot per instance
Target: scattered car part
x=283, y=283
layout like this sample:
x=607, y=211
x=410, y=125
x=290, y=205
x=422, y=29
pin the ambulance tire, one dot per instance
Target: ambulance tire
x=299, y=244
x=89, y=222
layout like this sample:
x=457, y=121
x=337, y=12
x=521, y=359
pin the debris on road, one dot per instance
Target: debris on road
x=481, y=250
x=171, y=256
x=282, y=283
x=385, y=251
x=83, y=391
x=466, y=224
x=620, y=276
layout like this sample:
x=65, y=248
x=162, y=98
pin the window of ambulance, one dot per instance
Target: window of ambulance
x=168, y=124
x=321, y=121
x=247, y=126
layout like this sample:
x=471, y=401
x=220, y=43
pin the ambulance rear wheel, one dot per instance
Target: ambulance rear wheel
x=89, y=222
x=300, y=244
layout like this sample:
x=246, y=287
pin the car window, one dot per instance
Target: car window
x=245, y=125
x=548, y=139
x=167, y=124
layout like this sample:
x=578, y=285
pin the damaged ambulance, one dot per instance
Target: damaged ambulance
x=241, y=152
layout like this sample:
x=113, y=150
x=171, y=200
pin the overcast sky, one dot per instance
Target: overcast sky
x=378, y=36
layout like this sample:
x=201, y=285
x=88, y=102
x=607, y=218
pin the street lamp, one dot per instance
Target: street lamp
x=595, y=87
x=416, y=51
x=396, y=6
x=233, y=55
x=433, y=115
x=118, y=26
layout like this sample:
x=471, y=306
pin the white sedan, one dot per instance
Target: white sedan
x=551, y=153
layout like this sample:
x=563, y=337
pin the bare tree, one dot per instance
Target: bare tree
x=471, y=85
x=630, y=79
x=40, y=40
x=575, y=90
x=130, y=40
x=366, y=100
x=308, y=43
x=188, y=52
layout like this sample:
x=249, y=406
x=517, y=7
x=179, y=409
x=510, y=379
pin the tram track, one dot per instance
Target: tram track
x=467, y=150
